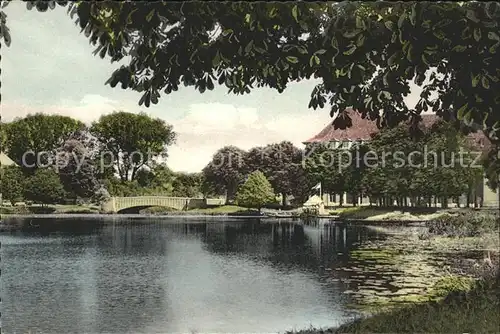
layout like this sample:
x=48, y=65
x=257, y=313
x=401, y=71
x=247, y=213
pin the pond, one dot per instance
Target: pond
x=178, y=275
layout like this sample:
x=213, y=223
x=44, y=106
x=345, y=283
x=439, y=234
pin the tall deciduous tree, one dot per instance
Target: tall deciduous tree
x=39, y=136
x=256, y=192
x=278, y=162
x=226, y=171
x=132, y=140
x=328, y=165
x=301, y=184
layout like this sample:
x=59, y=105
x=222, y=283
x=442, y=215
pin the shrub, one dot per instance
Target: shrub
x=464, y=224
x=451, y=284
x=256, y=192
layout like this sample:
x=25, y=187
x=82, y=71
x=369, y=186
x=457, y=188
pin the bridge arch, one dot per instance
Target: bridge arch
x=137, y=209
x=117, y=204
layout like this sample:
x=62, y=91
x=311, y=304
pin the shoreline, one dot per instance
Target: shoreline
x=353, y=221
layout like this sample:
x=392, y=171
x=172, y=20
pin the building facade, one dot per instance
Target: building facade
x=362, y=130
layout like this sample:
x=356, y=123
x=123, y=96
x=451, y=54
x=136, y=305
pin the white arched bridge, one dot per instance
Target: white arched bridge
x=116, y=204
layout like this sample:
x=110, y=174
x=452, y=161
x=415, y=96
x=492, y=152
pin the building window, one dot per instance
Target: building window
x=332, y=198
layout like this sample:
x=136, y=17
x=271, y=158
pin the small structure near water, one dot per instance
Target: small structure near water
x=315, y=203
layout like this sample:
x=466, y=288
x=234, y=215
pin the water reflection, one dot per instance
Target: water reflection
x=167, y=276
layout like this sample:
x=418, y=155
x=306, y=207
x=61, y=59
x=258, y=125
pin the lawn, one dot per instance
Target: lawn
x=52, y=209
x=460, y=312
x=381, y=213
x=224, y=209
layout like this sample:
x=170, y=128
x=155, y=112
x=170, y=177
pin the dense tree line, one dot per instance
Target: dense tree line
x=100, y=159
x=60, y=159
x=434, y=163
x=280, y=163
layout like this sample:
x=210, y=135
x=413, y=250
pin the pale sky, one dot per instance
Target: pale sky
x=49, y=68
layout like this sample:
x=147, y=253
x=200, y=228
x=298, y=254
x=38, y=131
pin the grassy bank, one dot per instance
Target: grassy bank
x=464, y=299
x=49, y=209
x=474, y=311
x=219, y=210
x=88, y=209
x=373, y=213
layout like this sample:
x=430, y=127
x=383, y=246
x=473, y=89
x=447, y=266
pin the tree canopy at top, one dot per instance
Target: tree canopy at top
x=365, y=53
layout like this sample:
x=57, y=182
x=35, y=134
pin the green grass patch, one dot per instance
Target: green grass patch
x=224, y=209
x=345, y=211
x=473, y=311
x=364, y=212
x=49, y=209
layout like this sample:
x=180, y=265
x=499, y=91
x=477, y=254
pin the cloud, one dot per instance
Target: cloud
x=208, y=127
x=88, y=109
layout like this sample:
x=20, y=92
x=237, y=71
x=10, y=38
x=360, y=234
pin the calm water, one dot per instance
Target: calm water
x=172, y=276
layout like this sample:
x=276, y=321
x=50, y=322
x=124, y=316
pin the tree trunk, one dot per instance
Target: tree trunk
x=283, y=199
x=444, y=202
x=134, y=172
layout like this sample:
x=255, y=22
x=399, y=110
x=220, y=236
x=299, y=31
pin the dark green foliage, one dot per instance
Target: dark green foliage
x=78, y=173
x=365, y=53
x=119, y=188
x=44, y=187
x=162, y=179
x=187, y=185
x=256, y=192
x=226, y=171
x=326, y=165
x=40, y=134
x=301, y=184
x=132, y=140
x=11, y=183
x=431, y=162
x=279, y=162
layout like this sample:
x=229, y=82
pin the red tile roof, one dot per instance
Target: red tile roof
x=361, y=129
x=364, y=128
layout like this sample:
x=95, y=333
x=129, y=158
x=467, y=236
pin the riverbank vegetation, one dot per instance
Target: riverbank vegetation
x=292, y=172
x=49, y=209
x=450, y=278
x=472, y=311
x=370, y=213
x=218, y=210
